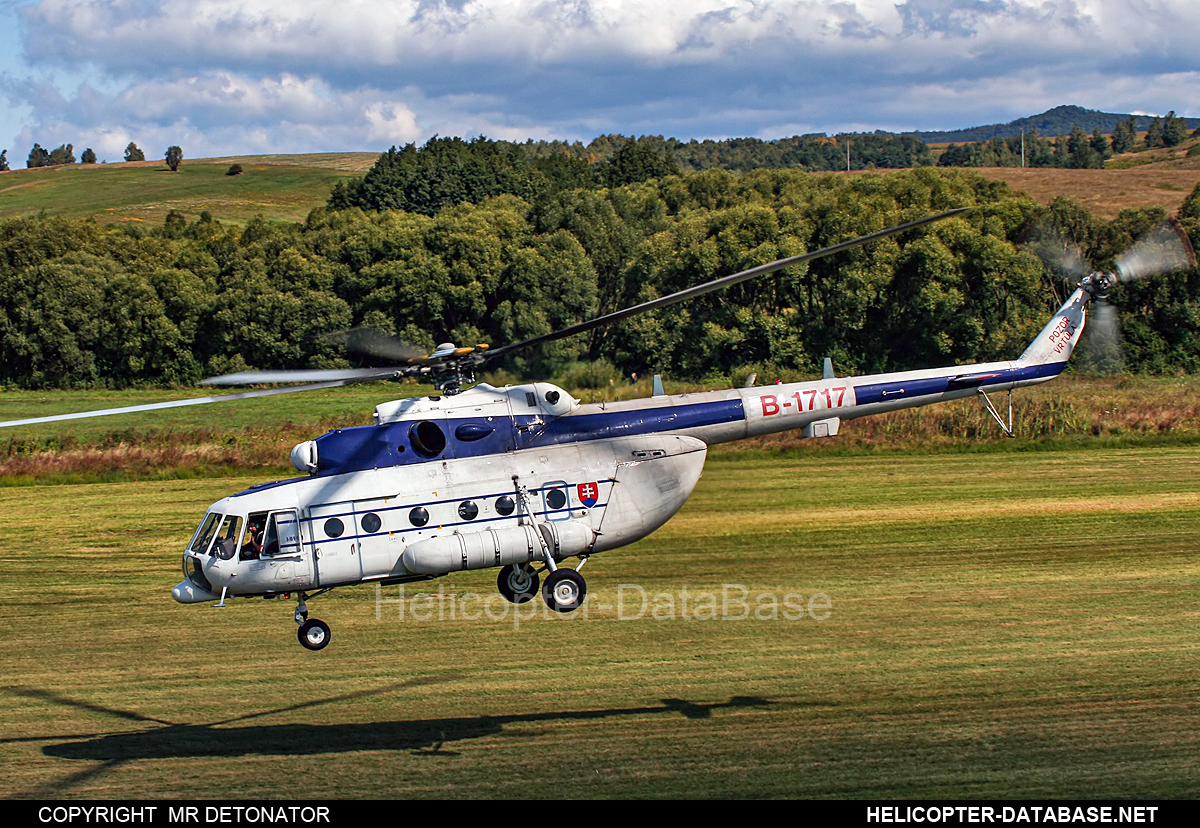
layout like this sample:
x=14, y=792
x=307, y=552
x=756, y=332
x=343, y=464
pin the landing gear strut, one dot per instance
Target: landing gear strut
x=313, y=633
x=564, y=589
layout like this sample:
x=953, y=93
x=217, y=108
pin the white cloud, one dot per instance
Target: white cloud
x=365, y=73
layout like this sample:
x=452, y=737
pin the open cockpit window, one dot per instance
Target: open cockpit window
x=255, y=537
x=282, y=536
x=204, y=535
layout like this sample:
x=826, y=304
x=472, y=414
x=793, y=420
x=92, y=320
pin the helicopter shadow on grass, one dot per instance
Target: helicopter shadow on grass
x=420, y=737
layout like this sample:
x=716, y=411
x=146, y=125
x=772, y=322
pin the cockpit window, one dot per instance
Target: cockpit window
x=282, y=536
x=205, y=534
x=225, y=546
x=253, y=541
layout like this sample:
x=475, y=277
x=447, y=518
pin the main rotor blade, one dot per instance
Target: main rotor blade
x=342, y=376
x=376, y=343
x=717, y=284
x=130, y=409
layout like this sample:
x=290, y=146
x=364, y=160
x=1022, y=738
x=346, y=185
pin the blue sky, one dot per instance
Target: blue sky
x=230, y=76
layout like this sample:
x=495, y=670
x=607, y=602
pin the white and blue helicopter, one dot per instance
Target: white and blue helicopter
x=525, y=477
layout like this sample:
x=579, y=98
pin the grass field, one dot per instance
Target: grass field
x=1106, y=192
x=277, y=187
x=999, y=625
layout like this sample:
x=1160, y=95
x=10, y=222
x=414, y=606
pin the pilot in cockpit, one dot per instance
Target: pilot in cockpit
x=252, y=542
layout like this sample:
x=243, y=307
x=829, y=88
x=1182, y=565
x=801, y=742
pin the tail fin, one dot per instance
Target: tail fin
x=1056, y=341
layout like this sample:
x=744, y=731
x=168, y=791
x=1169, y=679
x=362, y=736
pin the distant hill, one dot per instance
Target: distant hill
x=1056, y=121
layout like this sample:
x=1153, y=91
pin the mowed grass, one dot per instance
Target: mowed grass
x=1002, y=625
x=280, y=188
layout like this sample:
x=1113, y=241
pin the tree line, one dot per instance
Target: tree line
x=1057, y=121
x=446, y=171
x=1078, y=150
x=84, y=305
x=64, y=154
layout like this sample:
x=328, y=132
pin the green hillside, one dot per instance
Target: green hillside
x=1057, y=121
x=277, y=187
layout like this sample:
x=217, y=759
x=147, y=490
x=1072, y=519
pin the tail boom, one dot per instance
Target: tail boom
x=818, y=406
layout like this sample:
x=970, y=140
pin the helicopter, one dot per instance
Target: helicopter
x=526, y=477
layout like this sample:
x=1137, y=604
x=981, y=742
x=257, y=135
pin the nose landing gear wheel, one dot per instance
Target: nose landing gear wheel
x=313, y=634
x=564, y=590
x=518, y=583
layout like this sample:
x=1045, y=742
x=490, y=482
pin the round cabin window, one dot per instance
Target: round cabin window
x=371, y=523
x=467, y=510
x=334, y=528
x=505, y=505
x=419, y=516
x=556, y=498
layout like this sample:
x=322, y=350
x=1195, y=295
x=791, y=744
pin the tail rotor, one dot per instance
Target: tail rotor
x=1165, y=249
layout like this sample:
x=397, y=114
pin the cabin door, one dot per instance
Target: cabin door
x=379, y=548
x=336, y=553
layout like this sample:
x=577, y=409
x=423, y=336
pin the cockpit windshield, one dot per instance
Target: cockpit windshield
x=267, y=534
x=204, y=534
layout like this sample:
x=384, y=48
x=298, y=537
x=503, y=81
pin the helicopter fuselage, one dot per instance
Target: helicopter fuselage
x=506, y=476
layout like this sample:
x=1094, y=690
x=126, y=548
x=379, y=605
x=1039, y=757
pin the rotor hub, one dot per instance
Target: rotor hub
x=1098, y=284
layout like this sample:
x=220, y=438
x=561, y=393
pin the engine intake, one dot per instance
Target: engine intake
x=304, y=457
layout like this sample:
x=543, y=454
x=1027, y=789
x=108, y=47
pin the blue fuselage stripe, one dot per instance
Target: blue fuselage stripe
x=880, y=392
x=372, y=447
x=609, y=424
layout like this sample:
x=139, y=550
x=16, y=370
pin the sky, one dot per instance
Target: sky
x=222, y=77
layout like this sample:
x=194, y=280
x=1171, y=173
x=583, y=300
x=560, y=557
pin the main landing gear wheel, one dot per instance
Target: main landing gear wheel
x=518, y=583
x=313, y=634
x=564, y=590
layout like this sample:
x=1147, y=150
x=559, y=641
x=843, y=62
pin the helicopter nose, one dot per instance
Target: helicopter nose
x=185, y=592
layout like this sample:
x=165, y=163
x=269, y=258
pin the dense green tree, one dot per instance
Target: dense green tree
x=638, y=161
x=1124, y=137
x=88, y=157
x=1039, y=152
x=957, y=155
x=134, y=153
x=442, y=173
x=174, y=157
x=1079, y=148
x=1175, y=130
x=564, y=171
x=1154, y=134
x=64, y=154
x=38, y=157
x=4, y=161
